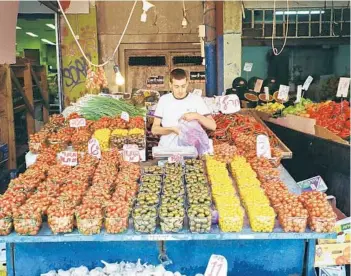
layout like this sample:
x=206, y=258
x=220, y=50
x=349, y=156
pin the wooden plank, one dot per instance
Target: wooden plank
x=37, y=82
x=20, y=89
x=7, y=127
x=327, y=134
x=28, y=90
x=303, y=124
x=45, y=93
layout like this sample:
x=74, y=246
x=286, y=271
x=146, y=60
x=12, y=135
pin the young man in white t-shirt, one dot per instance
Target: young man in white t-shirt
x=177, y=105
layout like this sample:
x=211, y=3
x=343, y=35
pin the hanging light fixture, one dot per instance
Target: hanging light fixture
x=185, y=20
x=118, y=78
x=146, y=6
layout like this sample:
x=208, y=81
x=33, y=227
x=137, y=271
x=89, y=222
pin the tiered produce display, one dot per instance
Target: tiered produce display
x=330, y=114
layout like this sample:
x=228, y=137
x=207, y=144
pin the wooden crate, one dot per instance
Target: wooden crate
x=286, y=152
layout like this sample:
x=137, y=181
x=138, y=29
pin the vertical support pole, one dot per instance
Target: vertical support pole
x=220, y=50
x=59, y=61
x=232, y=30
x=28, y=90
x=44, y=88
x=309, y=259
x=7, y=129
x=210, y=48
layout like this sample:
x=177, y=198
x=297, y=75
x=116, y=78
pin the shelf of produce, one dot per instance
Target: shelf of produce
x=45, y=235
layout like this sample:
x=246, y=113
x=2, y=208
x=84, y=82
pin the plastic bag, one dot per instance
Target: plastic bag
x=192, y=134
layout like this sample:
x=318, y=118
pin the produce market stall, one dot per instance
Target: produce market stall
x=319, y=133
x=84, y=200
x=246, y=251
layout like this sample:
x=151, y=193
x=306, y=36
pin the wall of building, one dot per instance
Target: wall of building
x=342, y=60
x=256, y=55
x=162, y=31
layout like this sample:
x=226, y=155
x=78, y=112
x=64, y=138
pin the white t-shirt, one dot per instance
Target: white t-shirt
x=170, y=110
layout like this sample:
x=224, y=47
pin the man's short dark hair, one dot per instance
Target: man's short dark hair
x=178, y=74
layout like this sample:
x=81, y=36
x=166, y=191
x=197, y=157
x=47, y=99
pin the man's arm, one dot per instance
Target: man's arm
x=158, y=130
x=206, y=121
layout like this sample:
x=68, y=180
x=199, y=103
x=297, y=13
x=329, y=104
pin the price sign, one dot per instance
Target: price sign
x=299, y=94
x=313, y=184
x=266, y=93
x=68, y=158
x=176, y=158
x=125, y=116
x=248, y=66
x=307, y=83
x=263, y=147
x=283, y=93
x=198, y=92
x=343, y=87
x=131, y=153
x=229, y=104
x=79, y=122
x=94, y=148
x=258, y=85
x=217, y=266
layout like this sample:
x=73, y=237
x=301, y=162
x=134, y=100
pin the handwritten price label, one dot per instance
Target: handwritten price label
x=248, y=66
x=343, y=87
x=217, y=266
x=266, y=93
x=176, y=158
x=125, y=116
x=79, y=122
x=283, y=93
x=307, y=83
x=68, y=158
x=263, y=147
x=258, y=85
x=229, y=104
x=299, y=94
x=94, y=148
x=131, y=153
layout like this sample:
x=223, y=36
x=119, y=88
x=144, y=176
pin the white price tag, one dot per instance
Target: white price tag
x=229, y=104
x=68, y=158
x=248, y=66
x=266, y=92
x=283, y=93
x=175, y=158
x=198, y=92
x=299, y=94
x=258, y=85
x=131, y=153
x=79, y=122
x=94, y=148
x=217, y=266
x=343, y=87
x=263, y=147
x=125, y=116
x=307, y=83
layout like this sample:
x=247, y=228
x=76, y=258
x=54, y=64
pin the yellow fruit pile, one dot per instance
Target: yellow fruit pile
x=136, y=131
x=270, y=108
x=256, y=203
x=103, y=137
x=231, y=214
x=119, y=132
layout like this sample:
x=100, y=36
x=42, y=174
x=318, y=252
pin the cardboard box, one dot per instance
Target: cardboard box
x=332, y=271
x=332, y=254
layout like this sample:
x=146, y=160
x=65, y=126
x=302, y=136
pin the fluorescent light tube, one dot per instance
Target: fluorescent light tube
x=48, y=41
x=52, y=26
x=18, y=28
x=31, y=34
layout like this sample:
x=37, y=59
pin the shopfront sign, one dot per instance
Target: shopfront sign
x=198, y=77
x=155, y=81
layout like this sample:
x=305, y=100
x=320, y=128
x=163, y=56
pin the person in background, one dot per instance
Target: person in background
x=180, y=104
